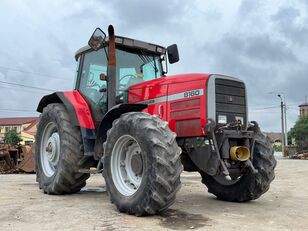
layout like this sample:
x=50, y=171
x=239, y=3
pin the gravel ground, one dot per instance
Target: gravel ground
x=284, y=207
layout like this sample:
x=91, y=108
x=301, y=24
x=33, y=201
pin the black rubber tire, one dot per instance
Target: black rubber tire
x=161, y=164
x=66, y=179
x=250, y=186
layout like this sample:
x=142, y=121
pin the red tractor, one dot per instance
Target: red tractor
x=141, y=128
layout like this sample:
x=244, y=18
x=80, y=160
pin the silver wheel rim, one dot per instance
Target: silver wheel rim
x=126, y=165
x=50, y=149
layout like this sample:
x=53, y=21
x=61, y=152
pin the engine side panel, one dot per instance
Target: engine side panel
x=187, y=108
x=179, y=99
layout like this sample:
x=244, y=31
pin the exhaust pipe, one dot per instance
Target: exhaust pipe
x=239, y=153
x=111, y=75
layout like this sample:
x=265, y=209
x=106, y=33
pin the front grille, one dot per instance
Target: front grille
x=230, y=99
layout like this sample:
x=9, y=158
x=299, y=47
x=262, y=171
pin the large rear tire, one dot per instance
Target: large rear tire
x=58, y=153
x=142, y=164
x=250, y=186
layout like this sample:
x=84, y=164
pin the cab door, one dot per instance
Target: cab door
x=93, y=64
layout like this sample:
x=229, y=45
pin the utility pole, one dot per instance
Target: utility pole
x=285, y=120
x=282, y=126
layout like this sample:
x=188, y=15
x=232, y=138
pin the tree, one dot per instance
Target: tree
x=12, y=137
x=300, y=132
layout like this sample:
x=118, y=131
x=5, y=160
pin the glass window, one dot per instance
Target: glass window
x=7, y=129
x=132, y=67
x=136, y=67
x=76, y=73
x=95, y=63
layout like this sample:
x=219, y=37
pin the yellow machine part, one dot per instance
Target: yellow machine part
x=239, y=153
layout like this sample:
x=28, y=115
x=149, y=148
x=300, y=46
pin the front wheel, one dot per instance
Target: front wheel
x=249, y=186
x=142, y=164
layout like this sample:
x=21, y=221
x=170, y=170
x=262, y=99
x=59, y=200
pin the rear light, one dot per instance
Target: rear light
x=239, y=118
x=222, y=119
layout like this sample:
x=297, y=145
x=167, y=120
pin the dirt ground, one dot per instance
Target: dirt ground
x=284, y=207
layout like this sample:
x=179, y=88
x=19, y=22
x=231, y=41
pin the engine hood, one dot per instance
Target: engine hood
x=172, y=79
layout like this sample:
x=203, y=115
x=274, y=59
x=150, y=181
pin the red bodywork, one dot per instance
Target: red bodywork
x=82, y=109
x=173, y=99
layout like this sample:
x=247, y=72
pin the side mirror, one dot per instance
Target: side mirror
x=173, y=53
x=97, y=39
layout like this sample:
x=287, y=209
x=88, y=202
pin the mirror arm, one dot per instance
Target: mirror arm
x=166, y=65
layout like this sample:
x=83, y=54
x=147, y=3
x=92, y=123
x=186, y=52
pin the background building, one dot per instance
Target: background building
x=303, y=110
x=275, y=137
x=24, y=126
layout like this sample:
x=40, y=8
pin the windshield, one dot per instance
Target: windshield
x=135, y=67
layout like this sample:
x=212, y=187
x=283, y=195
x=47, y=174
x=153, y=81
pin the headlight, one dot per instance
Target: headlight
x=239, y=118
x=222, y=119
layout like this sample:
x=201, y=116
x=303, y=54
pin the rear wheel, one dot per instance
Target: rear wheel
x=58, y=153
x=142, y=164
x=248, y=186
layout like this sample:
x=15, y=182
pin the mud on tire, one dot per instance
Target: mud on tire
x=63, y=177
x=160, y=158
x=250, y=186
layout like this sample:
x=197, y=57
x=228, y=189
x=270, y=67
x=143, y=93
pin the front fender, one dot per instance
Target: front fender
x=114, y=113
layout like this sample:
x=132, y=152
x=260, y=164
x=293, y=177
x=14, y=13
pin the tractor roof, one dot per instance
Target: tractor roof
x=129, y=43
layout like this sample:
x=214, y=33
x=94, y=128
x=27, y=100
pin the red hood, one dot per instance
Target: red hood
x=172, y=79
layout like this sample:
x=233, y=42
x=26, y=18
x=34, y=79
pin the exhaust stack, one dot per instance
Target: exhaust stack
x=111, y=75
x=239, y=153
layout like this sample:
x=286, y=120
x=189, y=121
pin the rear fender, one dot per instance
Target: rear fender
x=79, y=113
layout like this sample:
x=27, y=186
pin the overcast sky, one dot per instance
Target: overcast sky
x=264, y=43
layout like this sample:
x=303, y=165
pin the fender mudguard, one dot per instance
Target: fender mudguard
x=114, y=113
x=79, y=113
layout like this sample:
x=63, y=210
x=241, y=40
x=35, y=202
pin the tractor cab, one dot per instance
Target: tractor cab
x=136, y=62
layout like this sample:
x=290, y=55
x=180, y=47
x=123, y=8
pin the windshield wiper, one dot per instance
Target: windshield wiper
x=146, y=59
x=155, y=67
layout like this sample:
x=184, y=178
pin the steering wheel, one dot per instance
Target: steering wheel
x=125, y=76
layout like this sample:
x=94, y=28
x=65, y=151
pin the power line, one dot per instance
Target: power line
x=16, y=110
x=30, y=73
x=27, y=86
x=16, y=88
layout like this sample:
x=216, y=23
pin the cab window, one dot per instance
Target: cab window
x=94, y=64
x=135, y=67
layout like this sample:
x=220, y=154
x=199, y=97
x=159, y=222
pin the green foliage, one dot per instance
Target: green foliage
x=12, y=137
x=277, y=147
x=290, y=136
x=300, y=132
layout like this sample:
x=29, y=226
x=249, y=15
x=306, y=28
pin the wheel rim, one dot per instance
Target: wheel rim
x=50, y=149
x=126, y=165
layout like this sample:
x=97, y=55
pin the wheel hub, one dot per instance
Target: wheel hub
x=127, y=165
x=137, y=164
x=50, y=149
